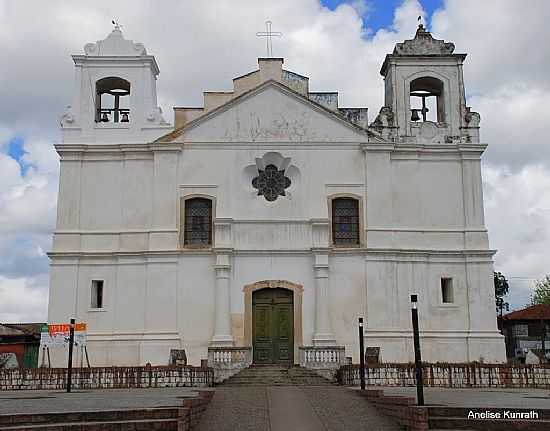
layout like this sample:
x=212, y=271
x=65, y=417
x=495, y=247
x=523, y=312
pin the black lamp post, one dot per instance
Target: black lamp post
x=361, y=355
x=70, y=364
x=417, y=355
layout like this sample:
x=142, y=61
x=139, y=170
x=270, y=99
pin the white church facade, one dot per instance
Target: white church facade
x=271, y=218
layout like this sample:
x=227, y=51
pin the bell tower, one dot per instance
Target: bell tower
x=115, y=95
x=424, y=93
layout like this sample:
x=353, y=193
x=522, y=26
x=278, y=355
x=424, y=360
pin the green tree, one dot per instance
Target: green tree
x=541, y=295
x=501, y=290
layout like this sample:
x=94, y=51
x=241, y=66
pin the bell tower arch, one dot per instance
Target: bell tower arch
x=115, y=94
x=424, y=92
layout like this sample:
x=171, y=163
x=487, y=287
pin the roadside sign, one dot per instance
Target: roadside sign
x=57, y=335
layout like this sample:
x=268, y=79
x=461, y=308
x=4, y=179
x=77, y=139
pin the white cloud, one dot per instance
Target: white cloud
x=517, y=207
x=515, y=124
x=5, y=136
x=22, y=300
x=504, y=40
x=28, y=202
x=360, y=6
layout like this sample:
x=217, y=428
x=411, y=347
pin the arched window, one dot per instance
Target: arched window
x=345, y=221
x=197, y=222
x=112, y=100
x=427, y=100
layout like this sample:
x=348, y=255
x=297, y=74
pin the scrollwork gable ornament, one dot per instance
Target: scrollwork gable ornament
x=423, y=44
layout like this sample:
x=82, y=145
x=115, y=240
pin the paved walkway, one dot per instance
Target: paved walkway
x=291, y=408
x=91, y=400
x=478, y=397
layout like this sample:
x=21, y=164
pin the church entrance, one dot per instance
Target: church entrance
x=273, y=326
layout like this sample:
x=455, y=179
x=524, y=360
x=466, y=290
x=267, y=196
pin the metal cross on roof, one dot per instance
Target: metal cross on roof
x=117, y=24
x=268, y=34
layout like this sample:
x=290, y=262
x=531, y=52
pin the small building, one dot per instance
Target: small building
x=19, y=344
x=523, y=331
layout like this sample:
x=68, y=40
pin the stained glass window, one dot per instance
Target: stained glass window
x=198, y=222
x=271, y=183
x=345, y=221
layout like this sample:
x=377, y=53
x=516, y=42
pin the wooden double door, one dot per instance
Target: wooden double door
x=273, y=326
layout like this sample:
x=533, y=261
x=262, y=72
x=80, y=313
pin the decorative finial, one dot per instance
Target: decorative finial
x=268, y=34
x=117, y=24
x=420, y=23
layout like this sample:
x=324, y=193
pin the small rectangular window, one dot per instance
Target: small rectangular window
x=97, y=294
x=447, y=290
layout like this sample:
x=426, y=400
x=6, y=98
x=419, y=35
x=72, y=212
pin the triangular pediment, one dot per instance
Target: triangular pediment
x=270, y=112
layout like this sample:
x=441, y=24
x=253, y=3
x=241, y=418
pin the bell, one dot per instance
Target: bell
x=104, y=118
x=414, y=115
x=124, y=117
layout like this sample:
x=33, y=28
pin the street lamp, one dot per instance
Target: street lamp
x=361, y=355
x=70, y=364
x=417, y=355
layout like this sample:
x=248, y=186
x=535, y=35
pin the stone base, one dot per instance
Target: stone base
x=323, y=340
x=222, y=341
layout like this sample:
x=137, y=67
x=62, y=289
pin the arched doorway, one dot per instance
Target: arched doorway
x=273, y=326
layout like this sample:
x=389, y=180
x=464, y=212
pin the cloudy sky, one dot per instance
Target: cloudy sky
x=340, y=45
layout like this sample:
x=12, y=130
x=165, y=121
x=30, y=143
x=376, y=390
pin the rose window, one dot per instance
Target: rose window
x=271, y=183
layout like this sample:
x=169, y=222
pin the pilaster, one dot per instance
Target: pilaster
x=322, y=334
x=222, y=270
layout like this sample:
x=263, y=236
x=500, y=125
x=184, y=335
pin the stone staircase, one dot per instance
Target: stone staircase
x=182, y=418
x=119, y=420
x=276, y=375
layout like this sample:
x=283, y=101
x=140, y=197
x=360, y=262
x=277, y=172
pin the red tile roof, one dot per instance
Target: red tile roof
x=535, y=312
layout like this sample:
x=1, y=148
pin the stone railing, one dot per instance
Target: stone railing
x=476, y=375
x=322, y=358
x=326, y=361
x=226, y=361
x=106, y=377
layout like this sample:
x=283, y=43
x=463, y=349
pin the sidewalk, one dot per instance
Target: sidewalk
x=13, y=402
x=478, y=397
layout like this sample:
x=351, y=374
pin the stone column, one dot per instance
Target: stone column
x=222, y=317
x=322, y=335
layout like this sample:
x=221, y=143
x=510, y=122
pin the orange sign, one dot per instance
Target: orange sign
x=64, y=328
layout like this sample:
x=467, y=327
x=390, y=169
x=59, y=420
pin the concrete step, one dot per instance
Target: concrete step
x=126, y=425
x=259, y=381
x=461, y=423
x=462, y=412
x=265, y=375
x=249, y=385
x=88, y=416
x=259, y=384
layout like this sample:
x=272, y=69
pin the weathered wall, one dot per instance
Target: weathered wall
x=451, y=375
x=106, y=378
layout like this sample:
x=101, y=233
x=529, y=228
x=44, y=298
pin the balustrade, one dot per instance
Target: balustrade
x=227, y=361
x=331, y=357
